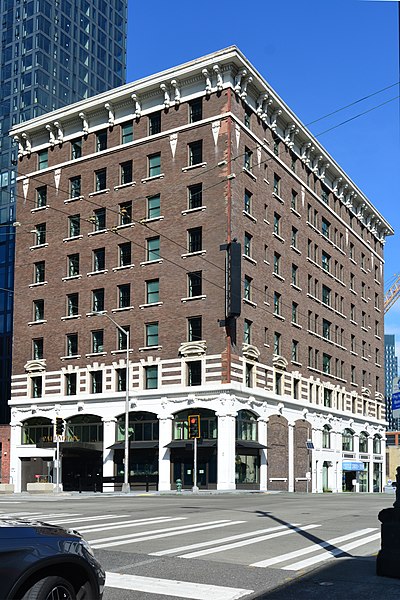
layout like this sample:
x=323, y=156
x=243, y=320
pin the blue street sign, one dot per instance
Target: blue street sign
x=396, y=403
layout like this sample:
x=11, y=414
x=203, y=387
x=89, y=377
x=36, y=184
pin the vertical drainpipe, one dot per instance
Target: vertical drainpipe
x=229, y=234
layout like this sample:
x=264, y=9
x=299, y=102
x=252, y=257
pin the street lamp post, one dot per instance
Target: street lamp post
x=125, y=486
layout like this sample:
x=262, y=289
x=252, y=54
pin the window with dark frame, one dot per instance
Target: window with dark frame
x=195, y=239
x=195, y=196
x=153, y=207
x=153, y=249
x=127, y=132
x=154, y=164
x=70, y=384
x=73, y=304
x=125, y=254
x=41, y=196
x=101, y=140
x=151, y=377
x=96, y=382
x=151, y=330
x=40, y=234
x=99, y=259
x=97, y=341
x=152, y=291
x=37, y=348
x=74, y=225
x=98, y=300
x=72, y=344
x=73, y=265
x=195, y=284
x=194, y=329
x=124, y=295
x=194, y=372
x=155, y=123
x=75, y=187
x=39, y=272
x=195, y=110
x=37, y=386
x=126, y=172
x=195, y=152
x=99, y=219
x=125, y=213
x=38, y=310
x=247, y=201
x=100, y=178
x=76, y=149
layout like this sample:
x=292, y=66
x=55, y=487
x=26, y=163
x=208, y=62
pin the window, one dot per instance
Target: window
x=43, y=159
x=41, y=196
x=37, y=385
x=278, y=383
x=73, y=265
x=97, y=341
x=196, y=110
x=75, y=187
x=121, y=380
x=277, y=303
x=152, y=291
x=99, y=219
x=295, y=233
x=352, y=312
x=96, y=382
x=248, y=287
x=325, y=228
x=248, y=159
x=125, y=254
x=126, y=172
x=347, y=441
x=325, y=196
x=277, y=185
x=73, y=305
x=100, y=178
x=151, y=377
x=194, y=329
x=125, y=213
x=101, y=141
x=39, y=272
x=295, y=275
x=277, y=343
x=352, y=278
x=326, y=363
x=295, y=351
x=195, y=196
x=74, y=225
x=122, y=338
x=351, y=251
x=247, y=244
x=327, y=398
x=154, y=163
x=124, y=295
x=151, y=330
x=153, y=248
x=40, y=234
x=363, y=292
x=295, y=307
x=247, y=332
x=326, y=295
x=37, y=348
x=376, y=448
x=99, y=259
x=247, y=118
x=326, y=436
x=276, y=146
x=70, y=384
x=277, y=224
x=98, y=300
x=326, y=259
x=326, y=329
x=247, y=201
x=76, y=149
x=127, y=132
x=194, y=284
x=38, y=310
x=195, y=152
x=194, y=372
x=277, y=263
x=155, y=123
x=153, y=207
x=195, y=242
x=72, y=344
x=293, y=202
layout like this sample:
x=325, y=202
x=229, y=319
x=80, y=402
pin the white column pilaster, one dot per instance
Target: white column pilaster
x=108, y=455
x=291, y=457
x=164, y=454
x=226, y=451
x=371, y=463
x=262, y=438
x=15, y=463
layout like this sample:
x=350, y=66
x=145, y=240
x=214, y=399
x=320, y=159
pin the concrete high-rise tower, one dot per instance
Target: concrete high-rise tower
x=52, y=54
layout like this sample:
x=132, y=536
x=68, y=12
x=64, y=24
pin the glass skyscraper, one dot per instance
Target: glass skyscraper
x=52, y=53
x=391, y=371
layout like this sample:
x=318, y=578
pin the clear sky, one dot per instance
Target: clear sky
x=318, y=55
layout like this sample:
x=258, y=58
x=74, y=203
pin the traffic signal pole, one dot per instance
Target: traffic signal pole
x=58, y=465
x=195, y=488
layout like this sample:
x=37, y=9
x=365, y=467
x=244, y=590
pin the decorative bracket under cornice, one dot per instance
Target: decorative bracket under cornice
x=251, y=352
x=34, y=366
x=279, y=362
x=138, y=107
x=192, y=348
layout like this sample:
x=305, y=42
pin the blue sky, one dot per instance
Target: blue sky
x=318, y=56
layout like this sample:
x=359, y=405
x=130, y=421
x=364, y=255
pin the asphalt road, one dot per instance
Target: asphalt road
x=226, y=546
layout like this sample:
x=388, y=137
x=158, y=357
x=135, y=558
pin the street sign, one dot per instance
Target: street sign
x=396, y=398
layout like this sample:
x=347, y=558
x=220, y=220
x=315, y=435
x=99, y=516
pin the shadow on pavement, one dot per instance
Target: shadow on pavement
x=343, y=579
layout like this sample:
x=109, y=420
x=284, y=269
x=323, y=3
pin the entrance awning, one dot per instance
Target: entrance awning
x=353, y=465
x=250, y=444
x=142, y=445
x=189, y=443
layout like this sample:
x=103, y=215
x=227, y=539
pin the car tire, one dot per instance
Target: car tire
x=51, y=588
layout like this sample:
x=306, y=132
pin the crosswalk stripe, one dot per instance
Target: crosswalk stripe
x=230, y=538
x=171, y=587
x=248, y=542
x=315, y=548
x=123, y=524
x=329, y=554
x=155, y=535
x=41, y=516
x=95, y=518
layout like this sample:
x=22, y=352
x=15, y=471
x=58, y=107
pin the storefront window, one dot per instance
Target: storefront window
x=377, y=477
x=85, y=428
x=377, y=445
x=363, y=445
x=347, y=441
x=37, y=430
x=247, y=469
x=364, y=478
x=246, y=426
x=208, y=424
x=326, y=437
x=143, y=426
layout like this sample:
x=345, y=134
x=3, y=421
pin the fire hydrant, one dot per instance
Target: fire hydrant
x=179, y=485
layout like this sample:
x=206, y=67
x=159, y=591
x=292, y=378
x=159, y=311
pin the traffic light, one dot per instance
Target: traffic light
x=59, y=426
x=194, y=426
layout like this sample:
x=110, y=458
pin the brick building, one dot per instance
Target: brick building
x=129, y=211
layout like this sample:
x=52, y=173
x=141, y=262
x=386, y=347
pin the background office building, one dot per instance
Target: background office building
x=51, y=54
x=391, y=372
x=145, y=194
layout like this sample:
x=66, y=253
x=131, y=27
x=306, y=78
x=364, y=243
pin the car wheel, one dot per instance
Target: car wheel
x=51, y=588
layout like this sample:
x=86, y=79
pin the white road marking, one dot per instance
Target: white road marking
x=95, y=518
x=248, y=542
x=171, y=587
x=230, y=538
x=329, y=554
x=135, y=523
x=315, y=548
x=160, y=533
x=41, y=516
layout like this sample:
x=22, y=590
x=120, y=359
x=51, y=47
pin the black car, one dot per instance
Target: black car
x=39, y=561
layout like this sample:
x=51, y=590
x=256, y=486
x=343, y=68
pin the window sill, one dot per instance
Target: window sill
x=152, y=178
x=122, y=308
x=249, y=302
x=99, y=192
x=124, y=185
x=278, y=197
x=123, y=267
x=250, y=259
x=151, y=262
x=37, y=246
x=294, y=211
x=39, y=208
x=72, y=238
x=74, y=199
x=113, y=352
x=279, y=317
x=197, y=253
x=278, y=276
x=200, y=165
x=38, y=322
x=70, y=356
x=150, y=304
x=147, y=348
x=249, y=216
x=71, y=277
x=297, y=325
x=97, y=232
x=152, y=219
x=278, y=237
x=296, y=287
x=249, y=173
x=192, y=210
x=190, y=298
x=295, y=249
x=70, y=317
x=100, y=272
x=92, y=354
x=38, y=284
x=124, y=226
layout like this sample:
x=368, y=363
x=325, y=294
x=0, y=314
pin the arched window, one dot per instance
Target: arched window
x=377, y=444
x=208, y=424
x=326, y=436
x=84, y=428
x=347, y=440
x=143, y=426
x=363, y=444
x=246, y=426
x=37, y=429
